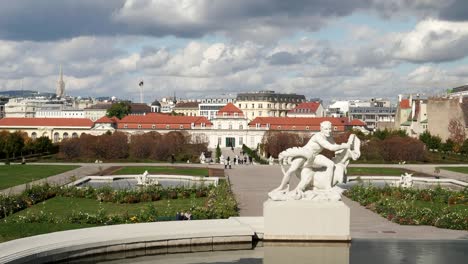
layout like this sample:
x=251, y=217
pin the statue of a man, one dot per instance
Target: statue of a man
x=309, y=156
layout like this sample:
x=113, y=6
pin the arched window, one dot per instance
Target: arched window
x=56, y=137
x=74, y=135
x=65, y=135
x=33, y=135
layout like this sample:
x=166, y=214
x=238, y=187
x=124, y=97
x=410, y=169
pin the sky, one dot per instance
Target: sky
x=329, y=49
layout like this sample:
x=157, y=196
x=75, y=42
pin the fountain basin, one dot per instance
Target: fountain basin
x=130, y=182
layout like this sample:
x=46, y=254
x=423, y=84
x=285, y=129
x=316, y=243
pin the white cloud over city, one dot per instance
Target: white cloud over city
x=328, y=49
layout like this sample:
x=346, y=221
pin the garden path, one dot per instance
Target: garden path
x=252, y=183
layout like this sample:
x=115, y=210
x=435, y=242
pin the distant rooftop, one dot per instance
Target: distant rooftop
x=460, y=89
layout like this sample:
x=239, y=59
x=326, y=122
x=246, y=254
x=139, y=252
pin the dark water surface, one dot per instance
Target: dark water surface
x=359, y=251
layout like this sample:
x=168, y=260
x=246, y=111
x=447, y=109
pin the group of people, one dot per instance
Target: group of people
x=237, y=160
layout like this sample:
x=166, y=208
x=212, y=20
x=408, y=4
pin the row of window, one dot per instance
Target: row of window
x=269, y=99
x=167, y=126
x=268, y=106
x=230, y=126
x=56, y=136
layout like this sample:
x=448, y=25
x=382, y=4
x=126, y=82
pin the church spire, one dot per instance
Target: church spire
x=60, y=85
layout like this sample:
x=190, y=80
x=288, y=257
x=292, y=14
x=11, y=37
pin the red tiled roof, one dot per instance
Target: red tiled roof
x=106, y=119
x=306, y=107
x=357, y=122
x=405, y=104
x=299, y=120
x=299, y=123
x=230, y=109
x=161, y=121
x=38, y=122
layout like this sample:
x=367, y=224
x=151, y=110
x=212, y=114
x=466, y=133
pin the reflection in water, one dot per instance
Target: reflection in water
x=398, y=251
x=305, y=253
x=359, y=251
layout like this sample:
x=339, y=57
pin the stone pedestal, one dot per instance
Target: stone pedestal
x=306, y=221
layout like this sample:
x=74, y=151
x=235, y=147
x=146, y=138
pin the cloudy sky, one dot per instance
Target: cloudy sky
x=332, y=49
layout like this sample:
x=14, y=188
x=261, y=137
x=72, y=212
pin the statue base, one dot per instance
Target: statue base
x=306, y=221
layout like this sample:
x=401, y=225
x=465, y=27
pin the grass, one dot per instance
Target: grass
x=357, y=171
x=163, y=170
x=455, y=169
x=62, y=207
x=10, y=231
x=12, y=175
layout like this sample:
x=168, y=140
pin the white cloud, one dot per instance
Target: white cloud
x=433, y=41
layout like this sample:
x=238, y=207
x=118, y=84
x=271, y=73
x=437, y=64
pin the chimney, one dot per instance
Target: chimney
x=400, y=96
x=411, y=99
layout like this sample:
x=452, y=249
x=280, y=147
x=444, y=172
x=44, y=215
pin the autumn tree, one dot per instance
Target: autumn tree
x=457, y=133
x=141, y=146
x=69, y=148
x=398, y=148
x=275, y=142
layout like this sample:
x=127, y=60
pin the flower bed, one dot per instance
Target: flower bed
x=220, y=203
x=408, y=206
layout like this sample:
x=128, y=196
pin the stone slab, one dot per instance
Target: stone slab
x=82, y=242
x=306, y=221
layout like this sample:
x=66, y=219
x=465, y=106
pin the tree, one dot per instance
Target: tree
x=275, y=142
x=435, y=142
x=457, y=133
x=218, y=153
x=448, y=145
x=119, y=110
x=432, y=142
x=397, y=148
x=12, y=144
x=464, y=147
x=42, y=144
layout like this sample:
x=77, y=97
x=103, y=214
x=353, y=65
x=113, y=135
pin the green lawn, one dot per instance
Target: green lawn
x=13, y=175
x=62, y=207
x=455, y=169
x=354, y=171
x=10, y=231
x=163, y=170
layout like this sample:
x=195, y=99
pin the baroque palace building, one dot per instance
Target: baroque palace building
x=267, y=103
x=230, y=127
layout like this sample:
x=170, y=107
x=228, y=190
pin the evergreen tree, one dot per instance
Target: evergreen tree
x=218, y=153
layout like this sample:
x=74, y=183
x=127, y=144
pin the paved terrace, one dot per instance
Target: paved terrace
x=251, y=185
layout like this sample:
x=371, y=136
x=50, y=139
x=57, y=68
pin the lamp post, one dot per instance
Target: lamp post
x=141, y=91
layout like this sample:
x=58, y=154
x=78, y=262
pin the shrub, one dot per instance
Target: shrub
x=403, y=206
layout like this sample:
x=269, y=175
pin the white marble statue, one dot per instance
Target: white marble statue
x=202, y=158
x=143, y=180
x=406, y=180
x=221, y=159
x=318, y=174
x=271, y=160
